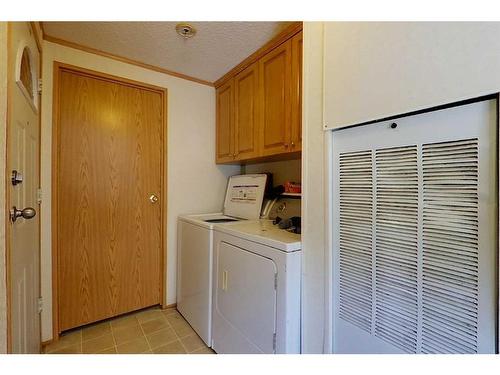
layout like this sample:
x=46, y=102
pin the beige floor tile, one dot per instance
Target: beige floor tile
x=183, y=330
x=72, y=349
x=204, y=350
x=65, y=340
x=137, y=346
x=124, y=321
x=98, y=344
x=146, y=315
x=192, y=342
x=94, y=331
x=171, y=310
x=154, y=325
x=175, y=317
x=161, y=338
x=172, y=348
x=125, y=334
x=108, y=351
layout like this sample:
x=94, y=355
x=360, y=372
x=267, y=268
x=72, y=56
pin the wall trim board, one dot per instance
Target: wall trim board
x=38, y=31
x=59, y=67
x=7, y=188
x=95, y=51
x=282, y=37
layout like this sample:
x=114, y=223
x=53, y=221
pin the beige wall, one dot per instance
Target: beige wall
x=3, y=114
x=288, y=170
x=195, y=183
x=379, y=69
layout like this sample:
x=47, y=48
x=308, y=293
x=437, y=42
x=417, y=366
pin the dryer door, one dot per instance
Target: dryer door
x=245, y=301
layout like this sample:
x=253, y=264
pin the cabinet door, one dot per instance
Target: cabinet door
x=296, y=122
x=225, y=123
x=246, y=115
x=275, y=84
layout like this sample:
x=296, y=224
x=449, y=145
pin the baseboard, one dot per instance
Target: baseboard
x=172, y=305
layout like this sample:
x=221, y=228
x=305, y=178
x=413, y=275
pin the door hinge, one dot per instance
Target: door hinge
x=40, y=305
x=274, y=342
x=39, y=85
x=39, y=196
x=275, y=281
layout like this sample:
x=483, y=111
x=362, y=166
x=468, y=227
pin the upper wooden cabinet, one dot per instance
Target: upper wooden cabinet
x=296, y=121
x=259, y=109
x=225, y=123
x=275, y=83
x=246, y=113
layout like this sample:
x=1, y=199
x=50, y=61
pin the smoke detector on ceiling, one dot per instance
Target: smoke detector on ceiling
x=185, y=30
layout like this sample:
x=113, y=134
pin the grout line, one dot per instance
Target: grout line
x=169, y=326
x=81, y=341
x=113, y=336
x=179, y=338
x=144, y=334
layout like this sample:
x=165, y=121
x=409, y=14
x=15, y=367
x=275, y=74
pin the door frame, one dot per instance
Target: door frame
x=58, y=68
x=10, y=87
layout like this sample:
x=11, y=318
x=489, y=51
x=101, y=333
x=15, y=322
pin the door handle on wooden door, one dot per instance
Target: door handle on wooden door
x=27, y=213
x=153, y=198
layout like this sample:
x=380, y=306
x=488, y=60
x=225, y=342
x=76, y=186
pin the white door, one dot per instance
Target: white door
x=245, y=301
x=414, y=233
x=23, y=157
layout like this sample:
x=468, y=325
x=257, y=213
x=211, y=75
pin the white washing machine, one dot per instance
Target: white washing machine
x=256, y=290
x=243, y=201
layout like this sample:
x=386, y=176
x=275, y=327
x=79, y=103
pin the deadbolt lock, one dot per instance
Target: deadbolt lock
x=16, y=177
x=153, y=198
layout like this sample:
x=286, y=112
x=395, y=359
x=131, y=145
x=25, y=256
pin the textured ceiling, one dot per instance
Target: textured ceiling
x=213, y=51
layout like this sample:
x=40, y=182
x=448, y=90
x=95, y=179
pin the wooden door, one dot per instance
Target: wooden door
x=225, y=123
x=296, y=123
x=275, y=83
x=246, y=115
x=109, y=196
x=23, y=155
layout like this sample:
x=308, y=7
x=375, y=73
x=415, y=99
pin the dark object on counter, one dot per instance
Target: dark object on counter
x=292, y=225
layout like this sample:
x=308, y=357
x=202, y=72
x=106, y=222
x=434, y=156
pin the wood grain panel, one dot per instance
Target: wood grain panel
x=275, y=83
x=225, y=123
x=282, y=37
x=109, y=233
x=246, y=115
x=296, y=122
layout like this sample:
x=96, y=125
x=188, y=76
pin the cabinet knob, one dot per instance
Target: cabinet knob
x=293, y=144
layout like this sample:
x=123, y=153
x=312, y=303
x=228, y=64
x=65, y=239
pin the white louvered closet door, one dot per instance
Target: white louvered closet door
x=414, y=234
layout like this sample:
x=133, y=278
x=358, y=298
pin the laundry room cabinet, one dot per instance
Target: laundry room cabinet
x=259, y=109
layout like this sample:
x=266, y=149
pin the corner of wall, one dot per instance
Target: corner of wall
x=313, y=195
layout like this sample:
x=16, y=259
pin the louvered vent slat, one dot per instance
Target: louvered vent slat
x=356, y=201
x=396, y=246
x=450, y=247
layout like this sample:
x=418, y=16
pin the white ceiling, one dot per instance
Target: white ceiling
x=213, y=51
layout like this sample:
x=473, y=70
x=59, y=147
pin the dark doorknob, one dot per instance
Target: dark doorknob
x=27, y=213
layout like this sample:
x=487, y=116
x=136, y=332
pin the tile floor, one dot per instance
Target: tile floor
x=153, y=331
